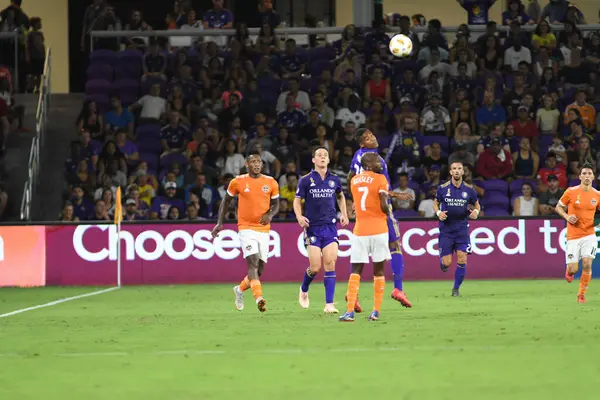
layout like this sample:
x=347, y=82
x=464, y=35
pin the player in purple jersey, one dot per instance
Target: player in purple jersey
x=452, y=204
x=368, y=144
x=320, y=189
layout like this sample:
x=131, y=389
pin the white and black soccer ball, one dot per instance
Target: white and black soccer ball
x=401, y=45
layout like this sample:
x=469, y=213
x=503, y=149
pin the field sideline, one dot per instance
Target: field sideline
x=502, y=339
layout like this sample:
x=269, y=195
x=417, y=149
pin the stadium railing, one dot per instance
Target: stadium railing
x=301, y=34
x=15, y=36
x=37, y=143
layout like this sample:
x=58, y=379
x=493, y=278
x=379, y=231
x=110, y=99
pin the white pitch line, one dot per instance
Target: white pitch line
x=53, y=303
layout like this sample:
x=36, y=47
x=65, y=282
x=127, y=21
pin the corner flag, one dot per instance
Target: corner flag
x=118, y=207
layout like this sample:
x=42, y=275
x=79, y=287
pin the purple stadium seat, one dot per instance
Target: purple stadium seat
x=318, y=66
x=151, y=159
x=103, y=57
x=167, y=160
x=496, y=212
x=495, y=185
x=403, y=65
x=102, y=102
x=148, y=83
x=125, y=71
x=306, y=85
x=495, y=200
x=322, y=53
x=515, y=186
x=400, y=214
x=145, y=132
x=97, y=87
x=150, y=146
x=269, y=84
x=126, y=88
x=100, y=71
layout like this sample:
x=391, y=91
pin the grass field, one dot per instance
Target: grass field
x=501, y=340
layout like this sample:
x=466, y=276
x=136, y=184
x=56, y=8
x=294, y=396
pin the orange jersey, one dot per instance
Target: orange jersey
x=587, y=112
x=254, y=199
x=583, y=205
x=365, y=188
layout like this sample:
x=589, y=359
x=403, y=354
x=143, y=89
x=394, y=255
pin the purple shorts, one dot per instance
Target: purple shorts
x=448, y=244
x=321, y=236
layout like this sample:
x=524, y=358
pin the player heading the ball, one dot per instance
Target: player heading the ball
x=258, y=202
x=320, y=189
x=451, y=205
x=577, y=206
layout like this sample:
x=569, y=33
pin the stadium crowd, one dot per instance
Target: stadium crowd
x=171, y=124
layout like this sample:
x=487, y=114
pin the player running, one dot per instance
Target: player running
x=451, y=206
x=258, y=202
x=368, y=144
x=578, y=205
x=370, y=191
x=320, y=189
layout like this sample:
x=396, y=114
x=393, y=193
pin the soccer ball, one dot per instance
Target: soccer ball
x=401, y=45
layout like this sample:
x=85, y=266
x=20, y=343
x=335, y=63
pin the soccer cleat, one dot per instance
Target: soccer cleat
x=330, y=309
x=239, y=298
x=347, y=317
x=455, y=293
x=581, y=299
x=374, y=316
x=261, y=304
x=568, y=276
x=357, y=307
x=303, y=299
x=400, y=296
x=443, y=267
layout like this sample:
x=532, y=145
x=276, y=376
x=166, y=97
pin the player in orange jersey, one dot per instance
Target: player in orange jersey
x=578, y=206
x=258, y=202
x=370, y=193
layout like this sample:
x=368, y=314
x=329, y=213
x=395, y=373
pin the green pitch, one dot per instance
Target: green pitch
x=501, y=340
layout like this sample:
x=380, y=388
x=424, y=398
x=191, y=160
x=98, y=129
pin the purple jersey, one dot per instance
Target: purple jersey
x=454, y=231
x=218, y=18
x=161, y=205
x=357, y=168
x=320, y=197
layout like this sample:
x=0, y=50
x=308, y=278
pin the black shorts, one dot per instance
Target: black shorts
x=36, y=66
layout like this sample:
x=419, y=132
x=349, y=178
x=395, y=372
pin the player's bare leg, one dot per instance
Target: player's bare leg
x=314, y=259
x=398, y=294
x=584, y=281
x=352, y=293
x=254, y=265
x=378, y=289
x=572, y=269
x=330, y=253
x=461, y=270
x=239, y=290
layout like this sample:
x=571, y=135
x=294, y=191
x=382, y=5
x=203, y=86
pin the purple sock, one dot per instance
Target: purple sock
x=329, y=282
x=459, y=275
x=398, y=269
x=308, y=278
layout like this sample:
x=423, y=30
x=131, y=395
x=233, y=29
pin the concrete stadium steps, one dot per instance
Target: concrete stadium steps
x=63, y=112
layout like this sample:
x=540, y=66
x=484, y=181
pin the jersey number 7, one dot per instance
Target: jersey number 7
x=363, y=199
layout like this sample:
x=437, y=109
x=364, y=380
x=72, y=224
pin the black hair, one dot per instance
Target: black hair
x=319, y=148
x=290, y=174
x=588, y=165
x=403, y=174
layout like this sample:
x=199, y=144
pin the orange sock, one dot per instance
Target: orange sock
x=256, y=288
x=353, y=285
x=584, y=281
x=245, y=285
x=378, y=290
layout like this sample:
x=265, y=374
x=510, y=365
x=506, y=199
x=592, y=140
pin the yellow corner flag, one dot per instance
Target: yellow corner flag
x=118, y=207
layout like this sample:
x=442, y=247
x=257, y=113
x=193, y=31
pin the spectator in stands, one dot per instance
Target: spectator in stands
x=524, y=126
x=231, y=162
x=131, y=211
x=426, y=204
x=463, y=135
x=435, y=118
x=154, y=63
x=464, y=115
x=111, y=152
x=117, y=176
x=403, y=188
x=547, y=117
x=301, y=98
x=127, y=148
x=434, y=156
x=173, y=214
x=284, y=148
x=555, y=11
x=576, y=133
x=91, y=121
x=292, y=118
x=526, y=161
x=489, y=114
x=197, y=166
x=327, y=114
x=288, y=192
x=581, y=154
x=153, y=107
x=543, y=37
x=550, y=196
x=100, y=212
x=162, y=204
x=174, y=137
x=477, y=10
x=137, y=23
x=91, y=13
x=108, y=199
x=435, y=65
x=525, y=205
x=268, y=14
x=205, y=194
x=271, y=165
x=106, y=184
x=82, y=208
x=292, y=64
x=552, y=168
x=462, y=155
x=191, y=213
x=35, y=55
x=118, y=118
x=218, y=17
x=516, y=54
x=352, y=112
x=470, y=68
x=378, y=88
x=375, y=38
x=515, y=12
x=142, y=208
x=435, y=37
x=495, y=162
x=67, y=214
x=82, y=177
x=585, y=109
x=433, y=174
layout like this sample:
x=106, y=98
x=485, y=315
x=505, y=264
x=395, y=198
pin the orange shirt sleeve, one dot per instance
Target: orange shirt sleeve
x=233, y=188
x=274, y=189
x=382, y=184
x=566, y=198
